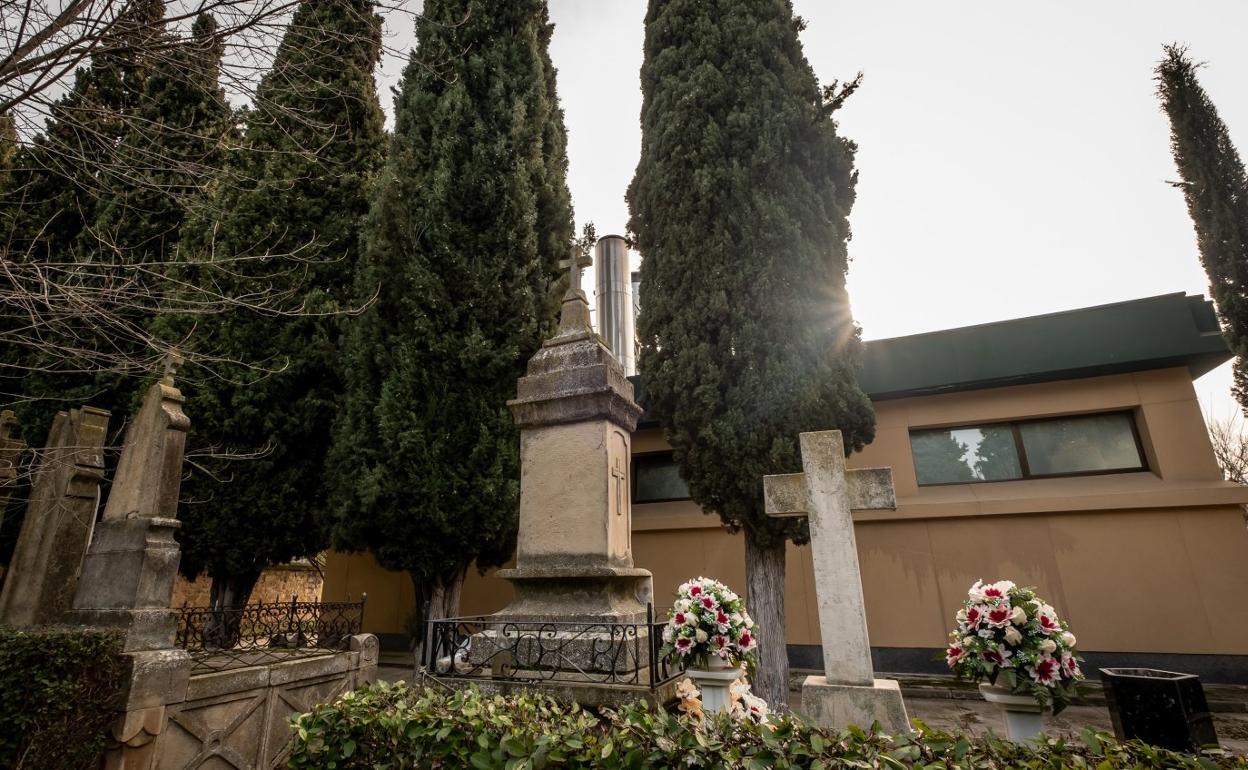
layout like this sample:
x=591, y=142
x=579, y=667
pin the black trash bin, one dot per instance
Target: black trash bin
x=1161, y=708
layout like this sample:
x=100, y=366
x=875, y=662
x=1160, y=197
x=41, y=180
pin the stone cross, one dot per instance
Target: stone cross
x=826, y=493
x=574, y=264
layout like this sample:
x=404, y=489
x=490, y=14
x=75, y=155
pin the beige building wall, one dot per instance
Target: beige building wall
x=1154, y=561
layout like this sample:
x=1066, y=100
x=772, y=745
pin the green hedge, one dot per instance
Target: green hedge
x=391, y=727
x=59, y=691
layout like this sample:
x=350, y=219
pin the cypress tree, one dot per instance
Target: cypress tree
x=739, y=209
x=469, y=222
x=1216, y=189
x=284, y=220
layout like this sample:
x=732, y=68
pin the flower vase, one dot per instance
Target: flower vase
x=715, y=681
x=1022, y=713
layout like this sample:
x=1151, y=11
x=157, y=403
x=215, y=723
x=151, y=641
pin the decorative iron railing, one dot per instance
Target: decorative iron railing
x=485, y=647
x=220, y=638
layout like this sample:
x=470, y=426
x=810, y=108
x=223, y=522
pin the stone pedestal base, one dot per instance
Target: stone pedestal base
x=1023, y=716
x=836, y=705
x=578, y=594
x=715, y=686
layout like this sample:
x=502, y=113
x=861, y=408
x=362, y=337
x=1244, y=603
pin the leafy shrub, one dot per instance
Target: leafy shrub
x=392, y=727
x=60, y=690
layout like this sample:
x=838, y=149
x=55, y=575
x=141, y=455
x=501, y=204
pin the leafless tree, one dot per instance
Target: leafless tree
x=86, y=314
x=1230, y=446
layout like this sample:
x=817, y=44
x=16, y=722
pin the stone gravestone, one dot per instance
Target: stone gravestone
x=848, y=692
x=43, y=573
x=128, y=574
x=574, y=558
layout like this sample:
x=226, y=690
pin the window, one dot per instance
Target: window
x=657, y=480
x=1063, y=446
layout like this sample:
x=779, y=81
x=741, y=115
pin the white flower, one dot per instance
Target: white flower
x=700, y=636
x=1048, y=646
x=961, y=617
x=667, y=634
x=976, y=592
x=1004, y=586
x=968, y=641
x=682, y=605
x=1019, y=616
x=1068, y=639
x=1012, y=635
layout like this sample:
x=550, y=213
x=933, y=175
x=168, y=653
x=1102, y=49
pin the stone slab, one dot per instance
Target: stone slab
x=834, y=706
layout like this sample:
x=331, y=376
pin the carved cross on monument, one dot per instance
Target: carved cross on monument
x=826, y=493
x=619, y=475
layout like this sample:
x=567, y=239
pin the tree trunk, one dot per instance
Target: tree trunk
x=228, y=594
x=764, y=569
x=435, y=600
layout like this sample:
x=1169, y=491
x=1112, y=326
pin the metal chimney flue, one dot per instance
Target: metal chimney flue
x=615, y=299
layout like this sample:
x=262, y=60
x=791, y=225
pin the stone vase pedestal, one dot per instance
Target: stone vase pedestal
x=1023, y=716
x=715, y=682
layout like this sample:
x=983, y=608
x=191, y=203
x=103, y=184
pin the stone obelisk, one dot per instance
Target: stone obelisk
x=576, y=413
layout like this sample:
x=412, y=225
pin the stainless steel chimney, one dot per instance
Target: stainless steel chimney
x=615, y=299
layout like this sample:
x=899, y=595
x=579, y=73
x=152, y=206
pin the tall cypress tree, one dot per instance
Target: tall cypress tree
x=285, y=220
x=469, y=222
x=1216, y=188
x=739, y=209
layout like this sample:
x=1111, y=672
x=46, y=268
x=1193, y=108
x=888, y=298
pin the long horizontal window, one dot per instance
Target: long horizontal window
x=656, y=479
x=1060, y=446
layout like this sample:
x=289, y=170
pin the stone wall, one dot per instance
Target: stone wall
x=276, y=584
x=240, y=718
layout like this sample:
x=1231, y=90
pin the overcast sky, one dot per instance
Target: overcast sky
x=1013, y=157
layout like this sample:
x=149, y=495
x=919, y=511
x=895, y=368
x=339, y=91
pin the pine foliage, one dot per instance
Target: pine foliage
x=470, y=219
x=739, y=209
x=284, y=219
x=1216, y=188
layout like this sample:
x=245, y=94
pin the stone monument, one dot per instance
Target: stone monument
x=576, y=413
x=574, y=578
x=39, y=588
x=128, y=574
x=848, y=692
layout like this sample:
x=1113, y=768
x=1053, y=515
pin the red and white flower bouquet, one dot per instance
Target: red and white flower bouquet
x=708, y=624
x=1014, y=640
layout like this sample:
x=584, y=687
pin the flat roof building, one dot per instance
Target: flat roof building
x=1066, y=451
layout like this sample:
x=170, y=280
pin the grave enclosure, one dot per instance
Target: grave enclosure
x=176, y=711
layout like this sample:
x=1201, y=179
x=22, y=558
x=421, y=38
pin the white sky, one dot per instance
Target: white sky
x=1013, y=157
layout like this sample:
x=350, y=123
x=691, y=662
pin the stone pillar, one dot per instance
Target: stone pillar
x=128, y=575
x=575, y=409
x=129, y=572
x=39, y=587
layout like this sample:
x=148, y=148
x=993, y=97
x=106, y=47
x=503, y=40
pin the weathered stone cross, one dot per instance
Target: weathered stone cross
x=574, y=264
x=827, y=493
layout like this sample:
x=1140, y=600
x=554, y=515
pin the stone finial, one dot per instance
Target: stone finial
x=172, y=363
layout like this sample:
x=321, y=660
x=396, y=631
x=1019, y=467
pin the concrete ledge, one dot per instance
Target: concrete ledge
x=836, y=705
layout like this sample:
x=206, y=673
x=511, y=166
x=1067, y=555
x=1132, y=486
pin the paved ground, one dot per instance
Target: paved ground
x=946, y=704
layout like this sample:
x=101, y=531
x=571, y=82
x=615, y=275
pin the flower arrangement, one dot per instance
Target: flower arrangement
x=708, y=621
x=1014, y=639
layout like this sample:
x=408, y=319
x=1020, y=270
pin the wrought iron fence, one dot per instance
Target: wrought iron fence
x=485, y=647
x=220, y=638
